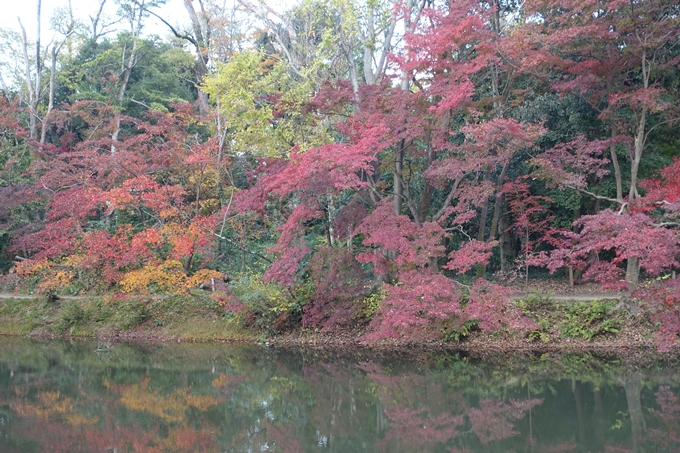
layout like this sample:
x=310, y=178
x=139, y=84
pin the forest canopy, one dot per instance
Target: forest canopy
x=396, y=161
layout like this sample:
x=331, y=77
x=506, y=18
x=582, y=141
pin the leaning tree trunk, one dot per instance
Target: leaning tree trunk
x=127, y=71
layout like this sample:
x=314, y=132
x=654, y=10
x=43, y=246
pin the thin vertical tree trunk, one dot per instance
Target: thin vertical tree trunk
x=56, y=48
x=499, y=112
x=428, y=190
x=617, y=168
x=399, y=152
x=50, y=104
x=33, y=86
x=398, y=167
x=481, y=231
x=600, y=420
x=498, y=202
x=136, y=18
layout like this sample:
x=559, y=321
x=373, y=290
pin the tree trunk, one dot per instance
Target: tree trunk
x=428, y=189
x=600, y=420
x=33, y=86
x=633, y=267
x=127, y=72
x=615, y=164
x=398, y=167
x=632, y=274
x=399, y=152
x=136, y=17
x=187, y=264
x=202, y=46
x=50, y=104
x=499, y=201
x=506, y=244
x=481, y=230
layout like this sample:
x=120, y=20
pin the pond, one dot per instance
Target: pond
x=93, y=397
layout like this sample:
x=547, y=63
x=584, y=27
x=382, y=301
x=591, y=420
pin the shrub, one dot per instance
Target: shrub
x=263, y=304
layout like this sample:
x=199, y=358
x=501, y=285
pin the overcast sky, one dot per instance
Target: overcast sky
x=173, y=11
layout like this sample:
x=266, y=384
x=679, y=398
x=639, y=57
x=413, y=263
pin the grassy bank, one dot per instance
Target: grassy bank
x=193, y=317
x=559, y=325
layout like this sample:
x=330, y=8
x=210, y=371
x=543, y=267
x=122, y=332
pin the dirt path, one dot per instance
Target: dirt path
x=576, y=297
x=554, y=297
x=35, y=296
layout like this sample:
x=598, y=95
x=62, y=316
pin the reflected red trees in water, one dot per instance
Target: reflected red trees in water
x=333, y=406
x=667, y=434
x=418, y=429
x=422, y=427
x=341, y=401
x=495, y=420
x=284, y=437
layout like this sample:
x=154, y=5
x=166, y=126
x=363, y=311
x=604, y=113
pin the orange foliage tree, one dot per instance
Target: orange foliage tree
x=139, y=218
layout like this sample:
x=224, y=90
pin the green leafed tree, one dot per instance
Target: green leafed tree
x=260, y=104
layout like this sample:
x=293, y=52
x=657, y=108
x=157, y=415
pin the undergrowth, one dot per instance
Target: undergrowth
x=581, y=320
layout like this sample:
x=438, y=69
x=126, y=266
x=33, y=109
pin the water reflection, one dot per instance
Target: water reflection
x=64, y=397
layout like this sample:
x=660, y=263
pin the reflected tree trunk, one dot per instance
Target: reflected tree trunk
x=598, y=416
x=632, y=385
x=579, y=413
x=381, y=419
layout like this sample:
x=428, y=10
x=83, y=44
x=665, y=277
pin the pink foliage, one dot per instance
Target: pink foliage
x=414, y=245
x=626, y=236
x=487, y=144
x=664, y=192
x=339, y=282
x=650, y=98
x=470, y=254
x=669, y=415
x=332, y=167
x=419, y=428
x=424, y=299
x=291, y=247
x=530, y=219
x=79, y=202
x=502, y=137
x=663, y=300
x=494, y=420
x=490, y=305
x=112, y=255
x=569, y=164
x=255, y=197
x=412, y=306
x=348, y=219
x=461, y=28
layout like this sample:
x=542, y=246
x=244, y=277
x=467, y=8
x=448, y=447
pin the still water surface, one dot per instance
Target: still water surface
x=69, y=397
